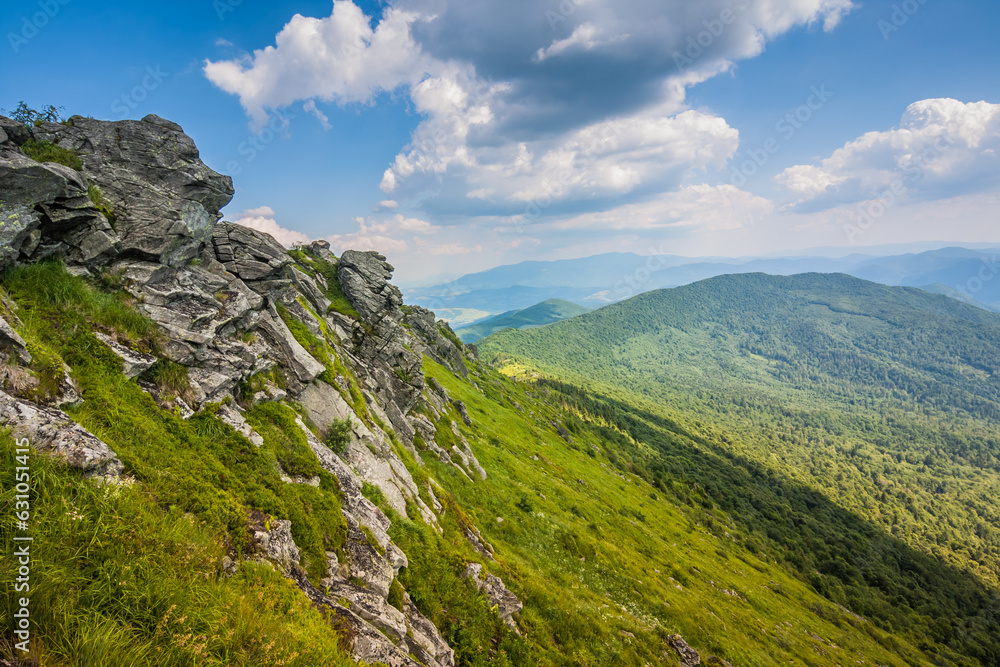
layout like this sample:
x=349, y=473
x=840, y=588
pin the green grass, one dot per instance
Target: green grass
x=45, y=151
x=119, y=580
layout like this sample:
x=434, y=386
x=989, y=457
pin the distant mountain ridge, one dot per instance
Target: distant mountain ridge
x=541, y=314
x=602, y=279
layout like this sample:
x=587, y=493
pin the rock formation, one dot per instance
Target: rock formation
x=234, y=306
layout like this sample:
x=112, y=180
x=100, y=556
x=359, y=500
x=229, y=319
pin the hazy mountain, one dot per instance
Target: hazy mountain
x=546, y=312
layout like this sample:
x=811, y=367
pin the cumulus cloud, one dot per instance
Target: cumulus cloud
x=262, y=219
x=340, y=58
x=567, y=107
x=942, y=147
x=394, y=234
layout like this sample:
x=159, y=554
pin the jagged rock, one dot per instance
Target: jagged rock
x=12, y=342
x=274, y=539
x=309, y=289
x=67, y=393
x=364, y=277
x=164, y=198
x=234, y=418
x=463, y=412
x=432, y=342
x=296, y=358
x=689, y=657
x=16, y=133
x=134, y=363
x=425, y=641
x=52, y=432
x=507, y=603
x=247, y=253
x=46, y=209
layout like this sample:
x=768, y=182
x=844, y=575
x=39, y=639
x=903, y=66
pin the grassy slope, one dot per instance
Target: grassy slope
x=596, y=553
x=546, y=312
x=881, y=399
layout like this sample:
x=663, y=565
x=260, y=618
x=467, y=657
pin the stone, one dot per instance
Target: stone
x=689, y=657
x=165, y=199
x=295, y=358
x=12, y=342
x=16, y=133
x=234, y=418
x=51, y=431
x=134, y=363
x=463, y=412
x=248, y=253
x=364, y=278
x=507, y=604
x=273, y=538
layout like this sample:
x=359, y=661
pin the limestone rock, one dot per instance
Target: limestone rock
x=134, y=363
x=507, y=603
x=52, y=432
x=164, y=197
x=689, y=657
x=364, y=277
x=274, y=539
x=247, y=253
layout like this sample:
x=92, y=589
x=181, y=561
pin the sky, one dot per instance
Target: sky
x=456, y=136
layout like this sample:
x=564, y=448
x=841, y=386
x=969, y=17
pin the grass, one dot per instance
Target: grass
x=118, y=580
x=46, y=151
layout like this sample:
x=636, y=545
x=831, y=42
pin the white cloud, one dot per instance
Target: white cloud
x=340, y=58
x=262, y=219
x=388, y=235
x=310, y=107
x=941, y=148
x=703, y=208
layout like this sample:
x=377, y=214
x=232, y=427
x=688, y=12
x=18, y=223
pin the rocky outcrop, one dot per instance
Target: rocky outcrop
x=165, y=199
x=134, y=363
x=364, y=277
x=689, y=657
x=247, y=253
x=507, y=604
x=52, y=432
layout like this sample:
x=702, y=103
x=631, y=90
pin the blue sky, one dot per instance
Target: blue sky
x=458, y=136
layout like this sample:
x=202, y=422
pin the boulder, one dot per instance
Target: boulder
x=689, y=657
x=273, y=538
x=12, y=343
x=506, y=603
x=51, y=431
x=247, y=253
x=364, y=278
x=165, y=199
x=134, y=363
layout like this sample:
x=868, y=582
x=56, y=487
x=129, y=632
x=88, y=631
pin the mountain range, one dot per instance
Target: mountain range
x=972, y=274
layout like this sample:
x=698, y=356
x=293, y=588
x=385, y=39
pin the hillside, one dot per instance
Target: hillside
x=546, y=312
x=884, y=400
x=236, y=454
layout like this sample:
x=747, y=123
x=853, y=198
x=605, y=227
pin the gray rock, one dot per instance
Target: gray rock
x=294, y=357
x=463, y=412
x=247, y=253
x=689, y=657
x=164, y=197
x=134, y=363
x=15, y=132
x=51, y=431
x=364, y=277
x=234, y=418
x=273, y=538
x=507, y=603
x=12, y=342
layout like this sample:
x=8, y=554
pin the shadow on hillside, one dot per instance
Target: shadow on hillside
x=846, y=558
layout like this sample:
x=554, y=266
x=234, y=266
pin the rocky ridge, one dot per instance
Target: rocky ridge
x=238, y=312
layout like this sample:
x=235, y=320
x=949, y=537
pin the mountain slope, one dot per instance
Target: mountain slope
x=883, y=399
x=546, y=312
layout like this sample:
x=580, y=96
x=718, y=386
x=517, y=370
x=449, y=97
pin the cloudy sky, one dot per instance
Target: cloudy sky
x=455, y=136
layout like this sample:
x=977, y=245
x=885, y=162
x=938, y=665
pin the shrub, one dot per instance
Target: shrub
x=338, y=434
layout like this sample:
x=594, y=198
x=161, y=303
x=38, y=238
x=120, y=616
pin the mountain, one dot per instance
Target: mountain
x=951, y=292
x=881, y=400
x=602, y=279
x=219, y=451
x=546, y=312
